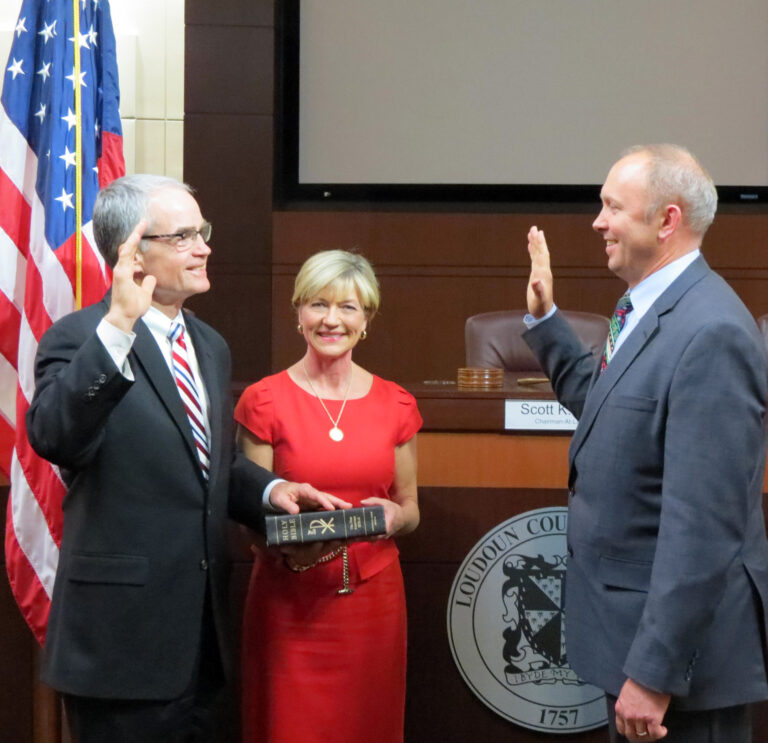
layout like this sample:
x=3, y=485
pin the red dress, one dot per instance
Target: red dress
x=318, y=666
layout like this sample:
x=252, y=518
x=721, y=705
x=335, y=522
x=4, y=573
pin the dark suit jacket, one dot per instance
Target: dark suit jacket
x=143, y=532
x=667, y=578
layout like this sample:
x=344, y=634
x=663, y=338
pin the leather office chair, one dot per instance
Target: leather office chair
x=493, y=340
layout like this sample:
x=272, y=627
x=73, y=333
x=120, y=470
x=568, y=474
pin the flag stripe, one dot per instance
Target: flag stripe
x=37, y=318
x=7, y=395
x=12, y=271
x=7, y=440
x=30, y=526
x=10, y=320
x=41, y=477
x=14, y=214
x=17, y=161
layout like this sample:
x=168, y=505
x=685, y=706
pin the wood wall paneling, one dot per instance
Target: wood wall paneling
x=229, y=85
x=229, y=162
x=437, y=269
x=230, y=12
x=229, y=69
x=230, y=166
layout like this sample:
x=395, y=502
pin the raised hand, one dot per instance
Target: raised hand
x=131, y=291
x=540, y=291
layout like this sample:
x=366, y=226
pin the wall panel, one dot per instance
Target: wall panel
x=228, y=159
x=437, y=269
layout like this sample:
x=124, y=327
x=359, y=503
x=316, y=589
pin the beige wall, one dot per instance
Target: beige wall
x=150, y=58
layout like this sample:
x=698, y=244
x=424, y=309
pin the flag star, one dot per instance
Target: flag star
x=15, y=68
x=49, y=31
x=65, y=199
x=20, y=27
x=83, y=40
x=41, y=113
x=70, y=118
x=92, y=35
x=72, y=78
x=45, y=71
x=68, y=157
x=96, y=128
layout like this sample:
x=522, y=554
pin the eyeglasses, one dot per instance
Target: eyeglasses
x=186, y=239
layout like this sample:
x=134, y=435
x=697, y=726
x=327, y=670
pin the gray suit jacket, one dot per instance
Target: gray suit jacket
x=144, y=533
x=667, y=579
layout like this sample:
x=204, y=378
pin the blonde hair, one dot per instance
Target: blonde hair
x=338, y=270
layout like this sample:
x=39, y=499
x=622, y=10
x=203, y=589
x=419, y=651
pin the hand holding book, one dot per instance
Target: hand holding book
x=320, y=526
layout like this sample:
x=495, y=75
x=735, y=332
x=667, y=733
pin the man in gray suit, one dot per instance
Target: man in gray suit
x=667, y=554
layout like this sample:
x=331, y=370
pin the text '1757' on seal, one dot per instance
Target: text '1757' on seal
x=506, y=627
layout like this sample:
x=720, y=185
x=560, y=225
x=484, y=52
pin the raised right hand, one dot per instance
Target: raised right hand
x=540, y=292
x=131, y=295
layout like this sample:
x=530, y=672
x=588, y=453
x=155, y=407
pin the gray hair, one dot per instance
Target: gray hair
x=121, y=205
x=676, y=176
x=339, y=270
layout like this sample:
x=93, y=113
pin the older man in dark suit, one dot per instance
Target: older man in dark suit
x=668, y=561
x=133, y=403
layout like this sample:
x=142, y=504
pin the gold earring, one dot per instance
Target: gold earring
x=299, y=329
x=363, y=335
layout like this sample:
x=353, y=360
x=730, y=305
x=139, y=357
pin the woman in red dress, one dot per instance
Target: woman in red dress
x=324, y=637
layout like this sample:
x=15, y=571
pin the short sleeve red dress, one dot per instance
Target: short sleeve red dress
x=316, y=665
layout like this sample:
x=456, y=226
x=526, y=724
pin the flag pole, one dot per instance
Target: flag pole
x=78, y=161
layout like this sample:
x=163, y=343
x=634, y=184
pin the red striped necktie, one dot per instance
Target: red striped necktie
x=185, y=382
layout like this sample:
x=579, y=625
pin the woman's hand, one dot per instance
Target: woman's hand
x=393, y=515
x=401, y=510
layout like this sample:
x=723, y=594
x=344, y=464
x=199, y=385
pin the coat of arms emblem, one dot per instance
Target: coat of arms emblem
x=507, y=626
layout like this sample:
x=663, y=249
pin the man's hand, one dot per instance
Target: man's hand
x=640, y=711
x=131, y=295
x=539, y=295
x=293, y=497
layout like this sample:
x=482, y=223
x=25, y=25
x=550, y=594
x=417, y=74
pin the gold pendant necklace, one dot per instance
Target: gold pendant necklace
x=335, y=433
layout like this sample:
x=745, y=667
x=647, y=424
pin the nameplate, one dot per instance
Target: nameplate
x=537, y=415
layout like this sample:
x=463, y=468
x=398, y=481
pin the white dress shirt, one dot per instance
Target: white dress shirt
x=119, y=343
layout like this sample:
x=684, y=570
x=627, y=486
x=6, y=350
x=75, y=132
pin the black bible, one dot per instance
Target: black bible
x=321, y=526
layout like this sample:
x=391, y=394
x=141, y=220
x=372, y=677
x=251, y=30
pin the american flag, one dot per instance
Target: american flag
x=38, y=257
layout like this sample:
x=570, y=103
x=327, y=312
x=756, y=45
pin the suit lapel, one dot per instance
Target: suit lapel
x=646, y=329
x=158, y=374
x=603, y=383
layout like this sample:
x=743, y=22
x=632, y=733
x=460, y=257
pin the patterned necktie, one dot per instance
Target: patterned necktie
x=185, y=381
x=623, y=308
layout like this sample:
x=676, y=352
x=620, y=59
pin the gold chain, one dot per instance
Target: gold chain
x=343, y=404
x=345, y=573
x=346, y=589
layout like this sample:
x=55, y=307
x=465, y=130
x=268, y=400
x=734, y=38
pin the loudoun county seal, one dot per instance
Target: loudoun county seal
x=506, y=627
